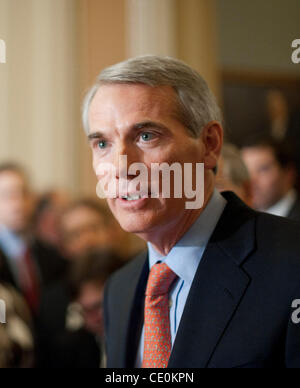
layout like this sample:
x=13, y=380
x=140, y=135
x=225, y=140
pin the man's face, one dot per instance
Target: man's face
x=83, y=229
x=267, y=176
x=140, y=121
x=91, y=301
x=15, y=202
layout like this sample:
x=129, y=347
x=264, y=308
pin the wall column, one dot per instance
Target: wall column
x=151, y=27
x=197, y=39
x=39, y=89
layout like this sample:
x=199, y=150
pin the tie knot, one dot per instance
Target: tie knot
x=160, y=280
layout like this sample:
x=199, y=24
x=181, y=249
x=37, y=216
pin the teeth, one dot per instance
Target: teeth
x=132, y=197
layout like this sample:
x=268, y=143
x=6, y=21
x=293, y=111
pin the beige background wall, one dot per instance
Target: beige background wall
x=38, y=89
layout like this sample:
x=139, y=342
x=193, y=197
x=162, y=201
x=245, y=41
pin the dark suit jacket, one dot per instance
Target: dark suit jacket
x=5, y=273
x=76, y=350
x=295, y=211
x=51, y=322
x=50, y=266
x=238, y=312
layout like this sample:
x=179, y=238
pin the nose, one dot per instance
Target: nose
x=124, y=157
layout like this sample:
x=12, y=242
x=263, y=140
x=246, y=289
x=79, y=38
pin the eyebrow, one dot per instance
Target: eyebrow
x=148, y=124
x=95, y=135
x=135, y=127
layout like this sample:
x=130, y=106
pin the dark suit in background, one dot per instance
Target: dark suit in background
x=49, y=264
x=238, y=312
x=294, y=213
x=6, y=276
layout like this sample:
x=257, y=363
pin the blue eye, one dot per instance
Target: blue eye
x=102, y=144
x=147, y=136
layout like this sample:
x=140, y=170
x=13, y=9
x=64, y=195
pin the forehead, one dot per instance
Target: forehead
x=259, y=152
x=8, y=178
x=115, y=102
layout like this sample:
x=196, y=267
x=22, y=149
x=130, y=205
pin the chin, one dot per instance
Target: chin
x=135, y=228
x=136, y=224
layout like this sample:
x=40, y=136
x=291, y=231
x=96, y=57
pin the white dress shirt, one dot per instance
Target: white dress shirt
x=284, y=206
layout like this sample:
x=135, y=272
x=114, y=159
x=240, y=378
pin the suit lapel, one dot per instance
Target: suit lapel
x=6, y=275
x=133, y=313
x=218, y=287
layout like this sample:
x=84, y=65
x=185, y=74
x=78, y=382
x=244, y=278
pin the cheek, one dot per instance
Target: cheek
x=273, y=179
x=181, y=150
x=96, y=162
x=112, y=205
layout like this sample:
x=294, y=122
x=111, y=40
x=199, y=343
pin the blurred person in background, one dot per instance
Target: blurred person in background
x=273, y=177
x=48, y=210
x=86, y=224
x=29, y=266
x=284, y=123
x=16, y=337
x=233, y=174
x=83, y=339
x=278, y=113
x=78, y=342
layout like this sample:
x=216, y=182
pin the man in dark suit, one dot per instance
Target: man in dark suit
x=70, y=333
x=219, y=284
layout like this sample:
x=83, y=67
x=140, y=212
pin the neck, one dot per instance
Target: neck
x=164, y=239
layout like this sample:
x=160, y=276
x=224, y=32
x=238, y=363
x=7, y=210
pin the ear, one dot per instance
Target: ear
x=212, y=138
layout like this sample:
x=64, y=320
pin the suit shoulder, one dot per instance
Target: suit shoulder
x=295, y=211
x=278, y=241
x=286, y=229
x=129, y=271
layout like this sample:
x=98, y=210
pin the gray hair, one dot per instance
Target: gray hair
x=197, y=105
x=234, y=166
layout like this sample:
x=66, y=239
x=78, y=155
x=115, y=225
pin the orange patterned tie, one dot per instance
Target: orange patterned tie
x=157, y=337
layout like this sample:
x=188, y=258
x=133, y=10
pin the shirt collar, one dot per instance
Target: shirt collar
x=185, y=256
x=284, y=206
x=12, y=245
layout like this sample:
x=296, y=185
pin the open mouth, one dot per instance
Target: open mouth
x=130, y=198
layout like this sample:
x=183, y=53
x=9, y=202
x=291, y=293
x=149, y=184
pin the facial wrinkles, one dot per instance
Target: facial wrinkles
x=119, y=109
